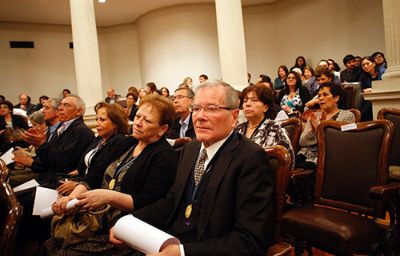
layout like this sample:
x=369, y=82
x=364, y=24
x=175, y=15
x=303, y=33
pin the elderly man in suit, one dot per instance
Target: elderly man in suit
x=62, y=153
x=221, y=202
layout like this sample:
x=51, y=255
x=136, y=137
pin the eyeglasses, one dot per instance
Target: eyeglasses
x=291, y=77
x=209, y=109
x=178, y=97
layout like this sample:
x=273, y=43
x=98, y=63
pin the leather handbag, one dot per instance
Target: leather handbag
x=78, y=227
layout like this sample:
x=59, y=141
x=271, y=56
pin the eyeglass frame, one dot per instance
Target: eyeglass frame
x=180, y=97
x=207, y=109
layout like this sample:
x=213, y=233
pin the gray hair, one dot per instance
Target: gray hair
x=231, y=96
x=189, y=92
x=79, y=103
x=37, y=117
x=54, y=102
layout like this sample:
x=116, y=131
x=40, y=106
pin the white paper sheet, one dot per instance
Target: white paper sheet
x=142, y=236
x=7, y=157
x=29, y=185
x=43, y=199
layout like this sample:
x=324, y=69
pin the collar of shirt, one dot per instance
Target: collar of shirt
x=53, y=127
x=186, y=121
x=66, y=124
x=213, y=149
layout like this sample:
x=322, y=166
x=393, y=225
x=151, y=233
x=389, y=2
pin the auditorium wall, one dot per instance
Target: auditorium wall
x=167, y=44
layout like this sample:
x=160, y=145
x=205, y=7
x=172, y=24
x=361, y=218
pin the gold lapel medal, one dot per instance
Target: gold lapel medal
x=188, y=211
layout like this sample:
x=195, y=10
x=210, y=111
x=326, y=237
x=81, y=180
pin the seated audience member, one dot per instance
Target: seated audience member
x=299, y=63
x=187, y=81
x=20, y=174
x=380, y=61
x=42, y=100
x=25, y=104
x=352, y=73
x=322, y=75
x=249, y=79
x=309, y=80
x=164, y=92
x=260, y=111
x=221, y=202
x=11, y=127
x=131, y=106
x=203, y=78
x=329, y=97
x=279, y=82
x=182, y=128
x=110, y=143
x=139, y=177
x=142, y=94
x=66, y=93
x=334, y=67
x=358, y=61
x=2, y=98
x=73, y=137
x=370, y=73
x=294, y=96
x=133, y=90
x=50, y=114
x=151, y=88
x=111, y=96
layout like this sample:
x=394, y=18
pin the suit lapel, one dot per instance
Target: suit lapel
x=188, y=161
x=218, y=173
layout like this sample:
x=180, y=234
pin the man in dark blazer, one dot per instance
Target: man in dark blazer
x=72, y=138
x=229, y=211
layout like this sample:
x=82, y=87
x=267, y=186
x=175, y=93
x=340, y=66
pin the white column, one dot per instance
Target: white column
x=386, y=93
x=232, y=49
x=86, y=53
x=391, y=17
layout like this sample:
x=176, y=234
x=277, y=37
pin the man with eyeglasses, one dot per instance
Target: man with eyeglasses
x=182, y=129
x=221, y=202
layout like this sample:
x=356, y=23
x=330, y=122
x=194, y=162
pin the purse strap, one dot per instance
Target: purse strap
x=100, y=211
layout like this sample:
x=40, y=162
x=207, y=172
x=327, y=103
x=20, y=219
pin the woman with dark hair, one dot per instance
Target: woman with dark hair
x=329, y=95
x=111, y=141
x=131, y=106
x=151, y=88
x=380, y=61
x=294, y=96
x=140, y=176
x=309, y=79
x=279, y=82
x=370, y=73
x=11, y=127
x=260, y=110
x=164, y=92
x=300, y=63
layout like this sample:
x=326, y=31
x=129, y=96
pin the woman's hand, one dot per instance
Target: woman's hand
x=60, y=206
x=93, y=199
x=113, y=239
x=287, y=108
x=66, y=187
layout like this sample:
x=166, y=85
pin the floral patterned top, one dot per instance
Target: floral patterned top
x=267, y=134
x=294, y=103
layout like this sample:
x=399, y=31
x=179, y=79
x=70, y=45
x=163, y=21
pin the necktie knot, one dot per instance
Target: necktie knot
x=61, y=129
x=199, y=167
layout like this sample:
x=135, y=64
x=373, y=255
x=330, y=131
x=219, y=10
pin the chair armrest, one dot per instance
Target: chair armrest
x=299, y=173
x=385, y=192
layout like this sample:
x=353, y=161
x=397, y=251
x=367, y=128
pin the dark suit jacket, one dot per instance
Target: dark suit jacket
x=151, y=175
x=64, y=154
x=174, y=131
x=354, y=76
x=115, y=146
x=133, y=112
x=236, y=218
